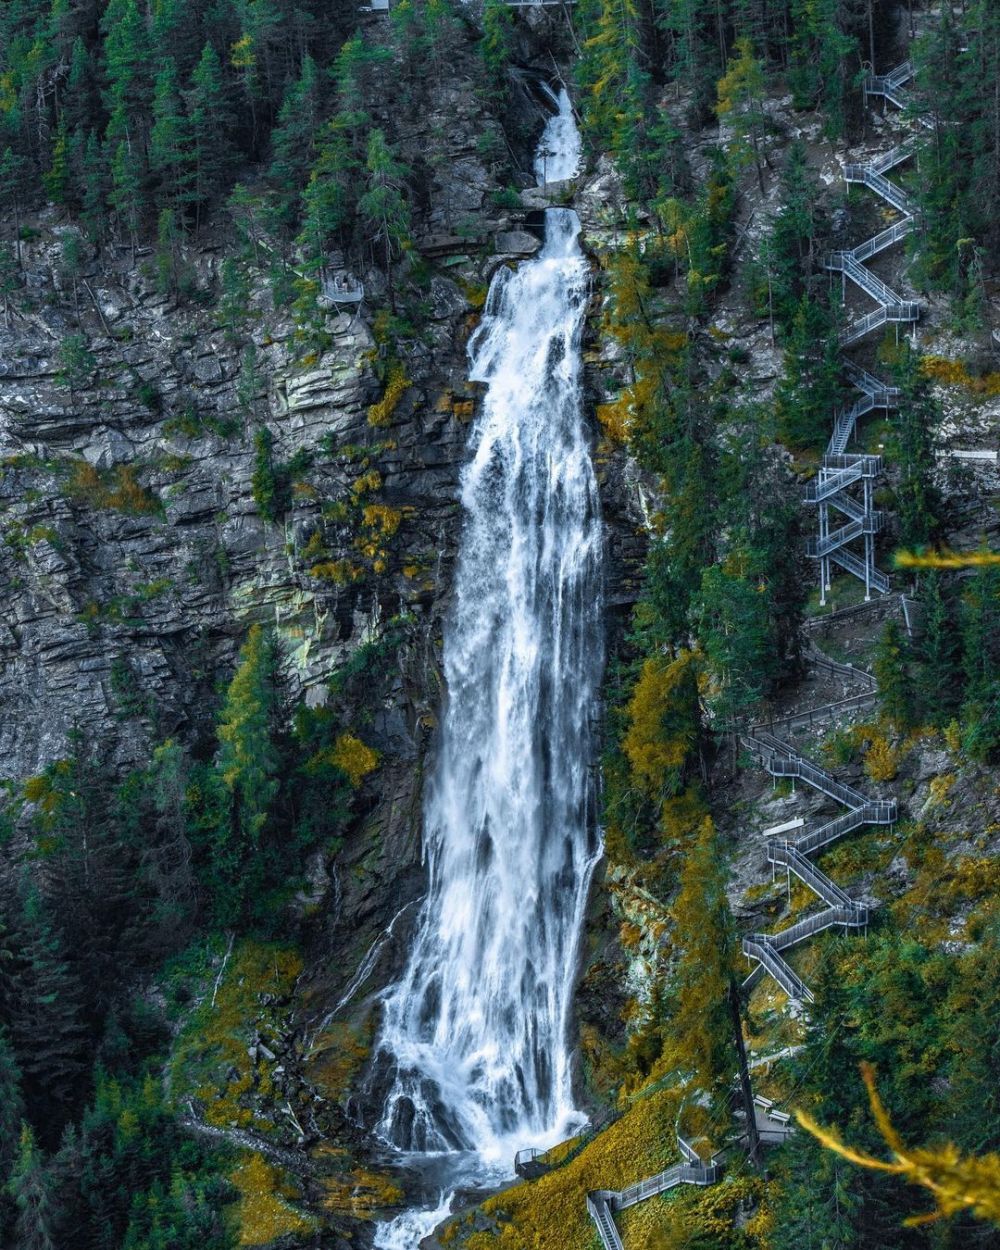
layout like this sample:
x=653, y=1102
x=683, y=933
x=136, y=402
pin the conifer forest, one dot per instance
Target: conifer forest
x=500, y=624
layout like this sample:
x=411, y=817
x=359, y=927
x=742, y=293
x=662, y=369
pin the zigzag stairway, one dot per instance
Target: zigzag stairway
x=841, y=472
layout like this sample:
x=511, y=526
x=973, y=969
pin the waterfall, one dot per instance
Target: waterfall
x=473, y=1044
x=559, y=149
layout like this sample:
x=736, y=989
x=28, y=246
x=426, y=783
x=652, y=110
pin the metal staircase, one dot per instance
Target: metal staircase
x=840, y=471
x=782, y=760
x=603, y=1203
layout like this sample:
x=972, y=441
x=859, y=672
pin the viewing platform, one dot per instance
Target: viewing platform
x=341, y=289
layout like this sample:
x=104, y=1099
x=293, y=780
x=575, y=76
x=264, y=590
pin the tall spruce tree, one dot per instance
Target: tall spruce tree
x=30, y=1185
x=210, y=122
x=918, y=501
x=47, y=1023
x=11, y=1106
x=980, y=628
x=811, y=391
x=939, y=672
x=171, y=158
x=383, y=205
x=895, y=689
x=701, y=1025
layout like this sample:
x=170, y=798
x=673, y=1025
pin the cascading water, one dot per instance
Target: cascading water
x=560, y=149
x=473, y=1045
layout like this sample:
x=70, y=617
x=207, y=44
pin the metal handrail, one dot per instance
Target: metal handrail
x=881, y=185
x=899, y=75
x=865, y=279
x=782, y=766
x=853, y=917
x=823, y=487
x=849, y=506
x=869, y=523
x=895, y=156
x=600, y=1213
x=850, y=562
x=602, y=1203
x=827, y=711
x=831, y=830
x=790, y=982
x=816, y=657
x=871, y=466
x=885, y=238
x=787, y=854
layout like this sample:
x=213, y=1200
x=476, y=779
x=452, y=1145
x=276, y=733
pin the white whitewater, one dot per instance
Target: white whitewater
x=560, y=149
x=474, y=1046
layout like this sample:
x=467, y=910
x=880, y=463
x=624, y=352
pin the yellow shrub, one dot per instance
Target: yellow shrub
x=939, y=788
x=955, y=373
x=396, y=385
x=340, y=572
x=352, y=757
x=382, y=518
x=366, y=483
x=118, y=490
x=661, y=728
x=315, y=548
x=681, y=816
x=881, y=761
x=263, y=1210
x=615, y=417
x=630, y=935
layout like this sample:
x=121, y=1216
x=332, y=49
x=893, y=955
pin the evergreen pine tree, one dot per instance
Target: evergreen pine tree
x=170, y=155
x=126, y=70
x=247, y=771
x=895, y=690
x=56, y=179
x=31, y=1188
x=792, y=237
x=293, y=139
x=383, y=205
x=731, y=616
x=917, y=497
x=810, y=392
x=79, y=99
x=980, y=627
x=701, y=1026
x=47, y=1024
x=93, y=187
x=126, y=196
x=210, y=123
x=496, y=45
x=327, y=200
x=939, y=671
x=11, y=1107
x=740, y=108
x=14, y=182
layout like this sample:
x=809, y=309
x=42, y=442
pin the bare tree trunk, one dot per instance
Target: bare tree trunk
x=746, y=1089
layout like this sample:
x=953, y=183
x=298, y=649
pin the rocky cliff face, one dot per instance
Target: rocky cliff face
x=135, y=554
